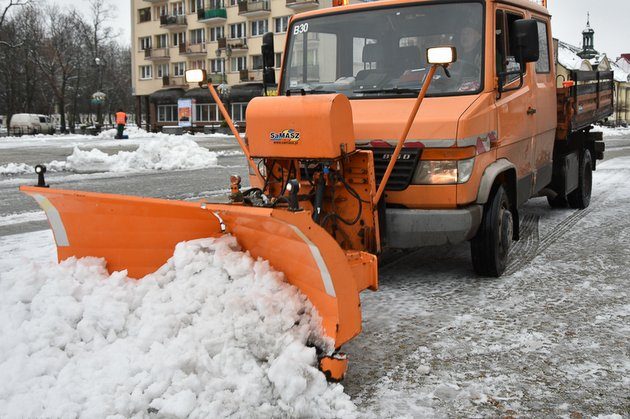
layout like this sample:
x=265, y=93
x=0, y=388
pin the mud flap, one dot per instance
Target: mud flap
x=140, y=234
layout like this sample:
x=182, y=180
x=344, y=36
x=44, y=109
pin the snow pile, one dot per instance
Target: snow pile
x=170, y=153
x=131, y=131
x=212, y=333
x=167, y=153
x=15, y=169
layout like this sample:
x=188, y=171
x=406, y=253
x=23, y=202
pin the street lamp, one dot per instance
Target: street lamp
x=99, y=97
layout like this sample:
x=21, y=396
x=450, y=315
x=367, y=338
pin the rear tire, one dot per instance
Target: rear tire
x=581, y=197
x=490, y=247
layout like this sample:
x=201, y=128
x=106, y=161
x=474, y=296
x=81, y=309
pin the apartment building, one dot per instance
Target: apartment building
x=223, y=37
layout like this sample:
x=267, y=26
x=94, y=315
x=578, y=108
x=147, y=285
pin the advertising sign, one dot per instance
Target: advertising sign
x=185, y=112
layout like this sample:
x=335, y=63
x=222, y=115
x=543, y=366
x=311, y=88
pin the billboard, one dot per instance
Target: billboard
x=185, y=112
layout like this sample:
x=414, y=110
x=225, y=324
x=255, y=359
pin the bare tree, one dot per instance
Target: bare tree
x=5, y=13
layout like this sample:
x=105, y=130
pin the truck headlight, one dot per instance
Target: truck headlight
x=443, y=172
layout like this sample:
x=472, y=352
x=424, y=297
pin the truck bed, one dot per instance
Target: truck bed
x=587, y=101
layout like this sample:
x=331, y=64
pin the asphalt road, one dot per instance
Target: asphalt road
x=550, y=338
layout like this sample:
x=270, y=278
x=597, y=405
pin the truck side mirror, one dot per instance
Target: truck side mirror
x=268, y=56
x=525, y=34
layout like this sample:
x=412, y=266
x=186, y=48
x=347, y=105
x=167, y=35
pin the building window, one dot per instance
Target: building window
x=145, y=72
x=198, y=36
x=144, y=15
x=145, y=43
x=238, y=111
x=161, y=10
x=178, y=8
x=217, y=65
x=238, y=30
x=167, y=113
x=280, y=24
x=162, y=70
x=179, y=69
x=196, y=5
x=206, y=112
x=239, y=63
x=257, y=62
x=259, y=27
x=216, y=33
x=161, y=40
x=233, y=2
x=197, y=65
x=179, y=38
x=278, y=56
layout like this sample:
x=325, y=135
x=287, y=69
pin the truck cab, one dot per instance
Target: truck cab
x=483, y=140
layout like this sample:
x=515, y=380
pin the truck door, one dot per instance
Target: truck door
x=546, y=116
x=515, y=122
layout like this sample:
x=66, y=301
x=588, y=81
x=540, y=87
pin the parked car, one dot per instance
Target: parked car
x=28, y=123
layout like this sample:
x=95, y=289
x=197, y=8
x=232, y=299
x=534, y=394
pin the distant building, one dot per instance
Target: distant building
x=587, y=58
x=221, y=36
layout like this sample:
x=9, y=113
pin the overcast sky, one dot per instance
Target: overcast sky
x=609, y=19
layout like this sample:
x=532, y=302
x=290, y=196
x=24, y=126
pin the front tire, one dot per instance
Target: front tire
x=581, y=197
x=491, y=246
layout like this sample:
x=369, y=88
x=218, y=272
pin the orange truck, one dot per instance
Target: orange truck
x=493, y=133
x=399, y=124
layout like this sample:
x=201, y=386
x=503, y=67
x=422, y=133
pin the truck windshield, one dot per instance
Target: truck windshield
x=382, y=52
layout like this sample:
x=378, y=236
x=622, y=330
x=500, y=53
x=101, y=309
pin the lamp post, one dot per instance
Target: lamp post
x=99, y=97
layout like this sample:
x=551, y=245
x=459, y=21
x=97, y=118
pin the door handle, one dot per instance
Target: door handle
x=531, y=111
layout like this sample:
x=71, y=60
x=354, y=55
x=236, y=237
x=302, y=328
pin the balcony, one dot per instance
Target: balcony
x=217, y=78
x=173, y=22
x=192, y=49
x=302, y=4
x=169, y=81
x=156, y=1
x=254, y=8
x=156, y=54
x=236, y=44
x=210, y=16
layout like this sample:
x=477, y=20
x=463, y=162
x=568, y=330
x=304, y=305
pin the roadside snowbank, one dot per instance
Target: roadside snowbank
x=212, y=333
x=166, y=153
x=613, y=132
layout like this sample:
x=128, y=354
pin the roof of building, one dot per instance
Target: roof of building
x=621, y=75
x=568, y=58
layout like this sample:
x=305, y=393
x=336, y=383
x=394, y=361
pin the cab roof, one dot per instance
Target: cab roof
x=531, y=5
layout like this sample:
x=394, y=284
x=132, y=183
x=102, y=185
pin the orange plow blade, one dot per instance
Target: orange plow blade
x=140, y=234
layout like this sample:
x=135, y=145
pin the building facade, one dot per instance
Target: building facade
x=224, y=37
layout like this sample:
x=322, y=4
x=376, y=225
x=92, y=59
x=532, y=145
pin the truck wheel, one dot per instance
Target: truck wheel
x=490, y=247
x=581, y=197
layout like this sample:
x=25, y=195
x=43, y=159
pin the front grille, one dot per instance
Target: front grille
x=403, y=170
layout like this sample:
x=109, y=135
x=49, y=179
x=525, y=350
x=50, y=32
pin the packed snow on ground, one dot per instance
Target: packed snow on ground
x=212, y=333
x=613, y=132
x=165, y=153
x=23, y=217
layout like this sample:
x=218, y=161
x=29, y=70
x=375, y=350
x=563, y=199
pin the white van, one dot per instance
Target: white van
x=30, y=123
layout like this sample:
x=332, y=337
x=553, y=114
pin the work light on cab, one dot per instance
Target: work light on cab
x=196, y=76
x=441, y=55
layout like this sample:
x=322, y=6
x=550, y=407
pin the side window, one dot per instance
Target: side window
x=506, y=51
x=542, y=66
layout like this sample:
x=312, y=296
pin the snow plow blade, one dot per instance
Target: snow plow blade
x=140, y=234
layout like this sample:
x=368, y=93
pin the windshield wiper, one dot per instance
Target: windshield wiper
x=303, y=92
x=394, y=90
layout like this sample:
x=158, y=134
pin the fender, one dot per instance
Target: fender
x=505, y=169
x=490, y=175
